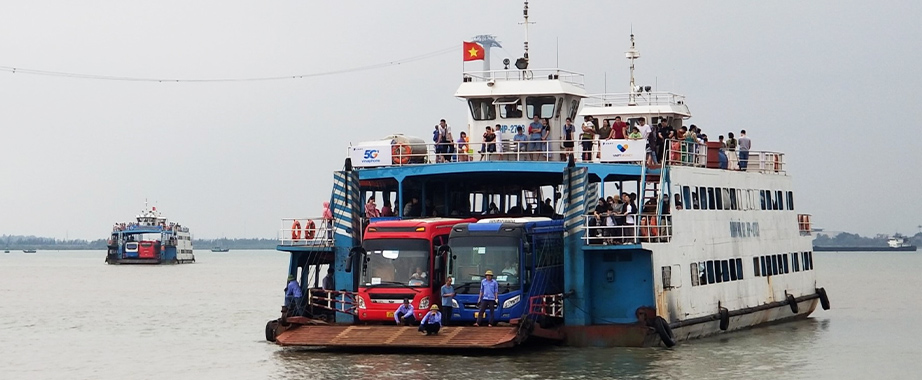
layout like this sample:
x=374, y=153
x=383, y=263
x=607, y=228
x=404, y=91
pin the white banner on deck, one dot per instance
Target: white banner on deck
x=622, y=150
x=371, y=154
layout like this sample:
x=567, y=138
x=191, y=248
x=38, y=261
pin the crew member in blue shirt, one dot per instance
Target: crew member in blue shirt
x=489, y=289
x=431, y=322
x=448, y=292
x=292, y=294
x=404, y=313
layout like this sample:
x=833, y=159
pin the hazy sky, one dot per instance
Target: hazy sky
x=830, y=83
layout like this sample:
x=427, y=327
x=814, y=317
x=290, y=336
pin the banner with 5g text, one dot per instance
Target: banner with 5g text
x=371, y=155
x=622, y=150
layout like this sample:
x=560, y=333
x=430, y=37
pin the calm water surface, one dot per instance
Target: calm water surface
x=67, y=315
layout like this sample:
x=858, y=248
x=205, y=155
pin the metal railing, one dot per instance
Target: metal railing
x=550, y=305
x=803, y=224
x=624, y=99
x=648, y=228
x=571, y=77
x=301, y=234
x=334, y=300
x=687, y=153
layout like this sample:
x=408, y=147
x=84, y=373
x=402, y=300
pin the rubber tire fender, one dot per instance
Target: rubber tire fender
x=664, y=331
x=724, y=316
x=824, y=300
x=793, y=302
x=271, y=326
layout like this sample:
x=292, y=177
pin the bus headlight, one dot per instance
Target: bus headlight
x=454, y=304
x=360, y=302
x=424, y=303
x=512, y=301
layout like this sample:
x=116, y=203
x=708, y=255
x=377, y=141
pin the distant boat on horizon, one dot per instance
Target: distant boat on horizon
x=27, y=251
x=220, y=249
x=896, y=242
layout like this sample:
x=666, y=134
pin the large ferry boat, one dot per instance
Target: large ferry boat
x=896, y=242
x=699, y=250
x=150, y=239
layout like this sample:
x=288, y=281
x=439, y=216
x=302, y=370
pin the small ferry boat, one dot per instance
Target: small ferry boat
x=220, y=249
x=150, y=239
x=697, y=248
x=27, y=251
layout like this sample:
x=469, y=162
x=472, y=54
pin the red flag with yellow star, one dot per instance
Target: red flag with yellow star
x=472, y=51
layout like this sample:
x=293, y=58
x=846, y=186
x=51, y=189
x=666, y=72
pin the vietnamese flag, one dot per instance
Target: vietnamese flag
x=472, y=51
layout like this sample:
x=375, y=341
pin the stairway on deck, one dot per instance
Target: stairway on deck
x=398, y=336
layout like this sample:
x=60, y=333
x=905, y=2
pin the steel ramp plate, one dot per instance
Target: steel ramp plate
x=398, y=336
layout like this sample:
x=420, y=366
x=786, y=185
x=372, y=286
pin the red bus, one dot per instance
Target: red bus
x=401, y=264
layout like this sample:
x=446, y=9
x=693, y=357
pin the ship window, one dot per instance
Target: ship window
x=733, y=272
x=755, y=266
x=711, y=198
x=702, y=277
x=780, y=199
x=774, y=260
x=541, y=106
x=720, y=202
x=786, y=268
x=725, y=194
x=725, y=270
x=686, y=194
x=710, y=272
x=574, y=106
x=703, y=195
x=765, y=266
x=762, y=198
x=733, y=204
x=482, y=108
x=509, y=108
x=718, y=274
x=796, y=261
x=808, y=260
x=790, y=200
x=667, y=277
x=694, y=273
x=739, y=269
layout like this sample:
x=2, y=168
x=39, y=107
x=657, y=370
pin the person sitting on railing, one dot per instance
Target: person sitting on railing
x=489, y=143
x=568, y=131
x=431, y=322
x=745, y=144
x=520, y=141
x=722, y=153
x=536, y=136
x=588, y=129
x=732, y=160
x=404, y=313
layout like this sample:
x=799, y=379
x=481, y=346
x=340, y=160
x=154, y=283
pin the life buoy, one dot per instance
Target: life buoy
x=400, y=153
x=664, y=331
x=296, y=230
x=793, y=302
x=724, y=316
x=309, y=229
x=824, y=300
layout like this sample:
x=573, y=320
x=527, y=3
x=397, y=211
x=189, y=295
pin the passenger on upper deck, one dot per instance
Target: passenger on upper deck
x=569, y=130
x=588, y=129
x=412, y=208
x=463, y=148
x=635, y=134
x=386, y=210
x=536, y=135
x=618, y=129
x=722, y=152
x=489, y=143
x=732, y=160
x=520, y=144
x=604, y=132
x=371, y=210
x=745, y=145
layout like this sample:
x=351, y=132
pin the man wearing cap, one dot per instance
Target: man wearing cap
x=404, y=313
x=292, y=294
x=489, y=289
x=431, y=322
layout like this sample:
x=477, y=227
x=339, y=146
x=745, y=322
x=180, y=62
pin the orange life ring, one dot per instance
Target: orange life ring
x=400, y=153
x=309, y=229
x=296, y=230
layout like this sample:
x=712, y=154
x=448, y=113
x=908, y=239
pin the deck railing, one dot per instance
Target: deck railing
x=550, y=305
x=657, y=98
x=686, y=153
x=803, y=224
x=649, y=229
x=566, y=76
x=321, y=235
x=334, y=300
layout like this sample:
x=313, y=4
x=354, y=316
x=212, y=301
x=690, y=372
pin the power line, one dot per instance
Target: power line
x=19, y=70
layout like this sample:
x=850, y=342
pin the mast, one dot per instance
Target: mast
x=522, y=63
x=632, y=54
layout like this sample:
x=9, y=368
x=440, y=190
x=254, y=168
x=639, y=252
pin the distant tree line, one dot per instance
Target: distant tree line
x=17, y=242
x=846, y=239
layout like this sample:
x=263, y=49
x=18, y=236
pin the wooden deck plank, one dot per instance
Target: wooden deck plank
x=397, y=336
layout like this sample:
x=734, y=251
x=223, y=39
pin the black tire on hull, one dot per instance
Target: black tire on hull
x=270, y=330
x=664, y=331
x=724, y=315
x=824, y=300
x=793, y=302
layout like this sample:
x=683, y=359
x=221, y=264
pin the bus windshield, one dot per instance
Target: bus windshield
x=477, y=254
x=397, y=262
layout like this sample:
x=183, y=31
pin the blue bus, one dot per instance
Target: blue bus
x=525, y=255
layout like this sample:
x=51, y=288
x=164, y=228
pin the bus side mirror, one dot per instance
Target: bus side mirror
x=354, y=254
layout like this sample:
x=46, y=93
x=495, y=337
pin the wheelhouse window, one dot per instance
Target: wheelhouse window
x=574, y=107
x=541, y=106
x=509, y=108
x=482, y=108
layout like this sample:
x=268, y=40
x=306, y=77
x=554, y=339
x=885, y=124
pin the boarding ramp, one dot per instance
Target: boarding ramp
x=395, y=337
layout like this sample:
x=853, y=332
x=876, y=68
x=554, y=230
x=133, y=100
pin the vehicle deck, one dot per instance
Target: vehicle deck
x=451, y=337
